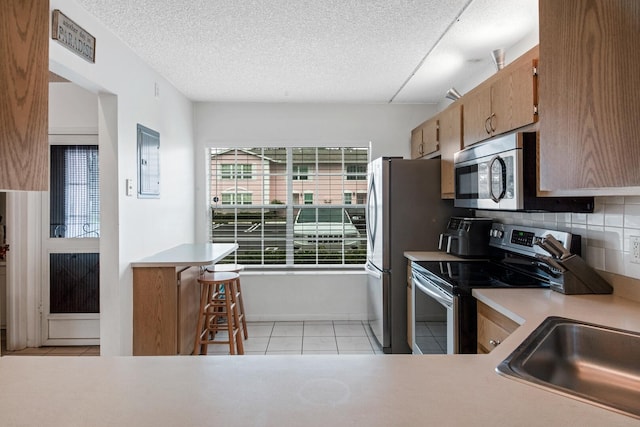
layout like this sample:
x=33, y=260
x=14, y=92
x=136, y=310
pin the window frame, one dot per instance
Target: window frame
x=307, y=190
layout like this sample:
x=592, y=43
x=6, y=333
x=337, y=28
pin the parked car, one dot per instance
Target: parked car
x=327, y=228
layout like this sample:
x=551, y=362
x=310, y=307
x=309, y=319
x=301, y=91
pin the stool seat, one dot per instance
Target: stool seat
x=234, y=268
x=218, y=277
x=219, y=311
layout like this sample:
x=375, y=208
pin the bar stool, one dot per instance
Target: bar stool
x=218, y=312
x=233, y=268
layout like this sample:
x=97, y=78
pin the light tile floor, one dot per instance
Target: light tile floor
x=306, y=337
x=431, y=337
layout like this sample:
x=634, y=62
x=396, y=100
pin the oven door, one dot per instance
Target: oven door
x=493, y=181
x=434, y=316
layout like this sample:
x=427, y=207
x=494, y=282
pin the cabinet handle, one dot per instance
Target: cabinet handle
x=493, y=129
x=486, y=125
x=494, y=343
x=421, y=149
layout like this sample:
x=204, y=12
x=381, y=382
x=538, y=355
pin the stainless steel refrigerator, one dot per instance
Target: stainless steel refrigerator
x=405, y=212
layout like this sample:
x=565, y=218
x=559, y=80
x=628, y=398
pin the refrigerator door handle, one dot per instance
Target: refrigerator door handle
x=372, y=213
x=372, y=271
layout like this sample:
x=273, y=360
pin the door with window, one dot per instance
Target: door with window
x=70, y=247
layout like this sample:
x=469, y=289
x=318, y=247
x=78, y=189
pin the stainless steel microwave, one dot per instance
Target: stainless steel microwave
x=501, y=174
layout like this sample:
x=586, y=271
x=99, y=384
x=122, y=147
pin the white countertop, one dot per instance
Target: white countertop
x=431, y=256
x=323, y=390
x=196, y=254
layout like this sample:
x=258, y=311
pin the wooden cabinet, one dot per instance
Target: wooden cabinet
x=424, y=139
x=450, y=139
x=24, y=89
x=589, y=90
x=493, y=328
x=166, y=301
x=504, y=102
x=477, y=114
x=417, y=149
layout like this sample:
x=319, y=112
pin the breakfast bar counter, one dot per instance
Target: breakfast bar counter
x=166, y=297
x=311, y=390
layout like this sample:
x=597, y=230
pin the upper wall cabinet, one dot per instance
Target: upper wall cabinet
x=24, y=93
x=506, y=101
x=450, y=139
x=424, y=139
x=589, y=88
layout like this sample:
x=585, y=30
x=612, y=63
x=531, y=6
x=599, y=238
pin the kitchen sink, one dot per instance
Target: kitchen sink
x=592, y=363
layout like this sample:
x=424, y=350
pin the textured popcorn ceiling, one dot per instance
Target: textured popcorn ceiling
x=316, y=50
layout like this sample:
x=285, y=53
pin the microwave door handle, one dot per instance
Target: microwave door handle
x=503, y=178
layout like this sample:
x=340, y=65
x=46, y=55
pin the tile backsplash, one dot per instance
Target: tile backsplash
x=605, y=232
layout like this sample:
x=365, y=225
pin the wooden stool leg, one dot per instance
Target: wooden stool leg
x=201, y=328
x=241, y=305
x=233, y=292
x=229, y=308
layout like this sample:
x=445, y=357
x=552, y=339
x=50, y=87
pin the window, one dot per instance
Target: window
x=231, y=171
x=300, y=172
x=288, y=207
x=356, y=172
x=74, y=210
x=236, y=198
x=308, y=198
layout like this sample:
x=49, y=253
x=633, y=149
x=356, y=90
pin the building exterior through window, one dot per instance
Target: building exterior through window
x=290, y=206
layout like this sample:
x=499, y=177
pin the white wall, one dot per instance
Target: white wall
x=131, y=228
x=302, y=296
x=72, y=110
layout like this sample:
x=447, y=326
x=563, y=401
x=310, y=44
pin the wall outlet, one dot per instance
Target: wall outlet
x=634, y=249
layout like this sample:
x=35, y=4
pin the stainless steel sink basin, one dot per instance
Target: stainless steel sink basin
x=592, y=363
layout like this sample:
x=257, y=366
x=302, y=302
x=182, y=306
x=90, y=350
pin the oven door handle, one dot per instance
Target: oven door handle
x=441, y=297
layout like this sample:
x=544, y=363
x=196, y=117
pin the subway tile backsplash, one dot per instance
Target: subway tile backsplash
x=605, y=232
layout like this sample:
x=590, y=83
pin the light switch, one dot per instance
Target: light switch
x=129, y=183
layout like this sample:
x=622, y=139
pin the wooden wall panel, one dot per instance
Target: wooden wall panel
x=24, y=93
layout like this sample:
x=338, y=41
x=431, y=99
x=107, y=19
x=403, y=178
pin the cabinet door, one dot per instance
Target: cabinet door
x=24, y=89
x=493, y=328
x=430, y=136
x=589, y=90
x=417, y=149
x=188, y=308
x=477, y=111
x=450, y=133
x=524, y=94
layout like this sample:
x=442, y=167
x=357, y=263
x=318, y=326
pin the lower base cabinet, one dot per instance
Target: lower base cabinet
x=493, y=328
x=166, y=301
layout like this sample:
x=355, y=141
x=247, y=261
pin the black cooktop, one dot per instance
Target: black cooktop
x=460, y=277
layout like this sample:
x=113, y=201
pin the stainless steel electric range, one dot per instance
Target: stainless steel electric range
x=442, y=289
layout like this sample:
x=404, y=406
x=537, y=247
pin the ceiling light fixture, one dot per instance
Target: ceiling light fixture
x=453, y=94
x=498, y=58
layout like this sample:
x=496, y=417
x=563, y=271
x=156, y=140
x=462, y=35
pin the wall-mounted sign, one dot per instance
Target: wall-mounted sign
x=73, y=37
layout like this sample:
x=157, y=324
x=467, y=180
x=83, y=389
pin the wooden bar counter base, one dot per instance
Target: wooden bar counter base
x=166, y=297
